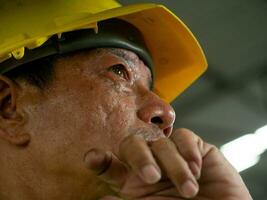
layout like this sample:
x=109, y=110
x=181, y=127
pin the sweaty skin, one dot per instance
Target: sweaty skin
x=96, y=99
x=97, y=130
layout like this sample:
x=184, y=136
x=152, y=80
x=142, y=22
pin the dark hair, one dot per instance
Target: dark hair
x=38, y=72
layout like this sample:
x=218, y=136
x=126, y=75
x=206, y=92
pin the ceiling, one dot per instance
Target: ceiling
x=230, y=99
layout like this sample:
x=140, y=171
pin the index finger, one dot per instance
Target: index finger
x=136, y=153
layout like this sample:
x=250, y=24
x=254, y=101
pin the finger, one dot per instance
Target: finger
x=135, y=152
x=218, y=172
x=175, y=167
x=110, y=198
x=154, y=197
x=135, y=191
x=188, y=144
x=170, y=192
x=106, y=166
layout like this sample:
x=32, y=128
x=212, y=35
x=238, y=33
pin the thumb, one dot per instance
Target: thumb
x=107, y=166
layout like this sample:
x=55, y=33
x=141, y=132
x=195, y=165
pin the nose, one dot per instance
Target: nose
x=156, y=111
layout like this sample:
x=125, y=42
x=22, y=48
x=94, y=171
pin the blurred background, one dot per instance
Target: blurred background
x=227, y=106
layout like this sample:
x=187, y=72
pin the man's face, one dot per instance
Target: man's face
x=96, y=99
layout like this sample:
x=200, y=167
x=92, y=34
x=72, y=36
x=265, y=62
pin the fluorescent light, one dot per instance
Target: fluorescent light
x=262, y=130
x=244, y=152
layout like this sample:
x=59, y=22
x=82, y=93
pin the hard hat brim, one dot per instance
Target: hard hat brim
x=177, y=56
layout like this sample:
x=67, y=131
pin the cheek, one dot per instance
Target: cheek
x=75, y=120
x=103, y=115
x=110, y=118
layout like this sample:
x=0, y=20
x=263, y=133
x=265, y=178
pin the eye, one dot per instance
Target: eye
x=119, y=70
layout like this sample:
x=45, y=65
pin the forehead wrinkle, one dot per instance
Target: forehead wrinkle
x=129, y=60
x=118, y=52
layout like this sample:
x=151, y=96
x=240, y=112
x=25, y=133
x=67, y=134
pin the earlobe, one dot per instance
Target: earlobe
x=11, y=120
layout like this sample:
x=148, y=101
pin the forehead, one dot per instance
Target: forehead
x=126, y=55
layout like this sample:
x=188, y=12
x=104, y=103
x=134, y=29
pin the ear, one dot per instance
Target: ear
x=11, y=120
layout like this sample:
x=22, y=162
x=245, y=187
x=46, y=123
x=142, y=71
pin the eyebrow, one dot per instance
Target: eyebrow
x=129, y=60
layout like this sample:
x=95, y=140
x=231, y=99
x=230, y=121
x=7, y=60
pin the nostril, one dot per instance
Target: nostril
x=157, y=120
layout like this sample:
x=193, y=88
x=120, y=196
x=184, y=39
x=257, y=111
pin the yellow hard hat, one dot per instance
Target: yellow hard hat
x=28, y=25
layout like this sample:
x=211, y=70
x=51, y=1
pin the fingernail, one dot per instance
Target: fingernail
x=189, y=189
x=150, y=174
x=194, y=169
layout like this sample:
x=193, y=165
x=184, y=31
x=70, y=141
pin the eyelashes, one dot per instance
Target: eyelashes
x=120, y=70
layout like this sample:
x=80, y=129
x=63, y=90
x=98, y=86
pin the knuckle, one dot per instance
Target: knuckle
x=190, y=153
x=209, y=146
x=213, y=148
x=209, y=149
x=181, y=174
x=183, y=134
x=183, y=131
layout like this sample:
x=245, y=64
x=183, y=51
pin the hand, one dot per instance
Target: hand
x=181, y=167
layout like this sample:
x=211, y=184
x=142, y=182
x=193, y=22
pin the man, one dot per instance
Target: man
x=81, y=113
